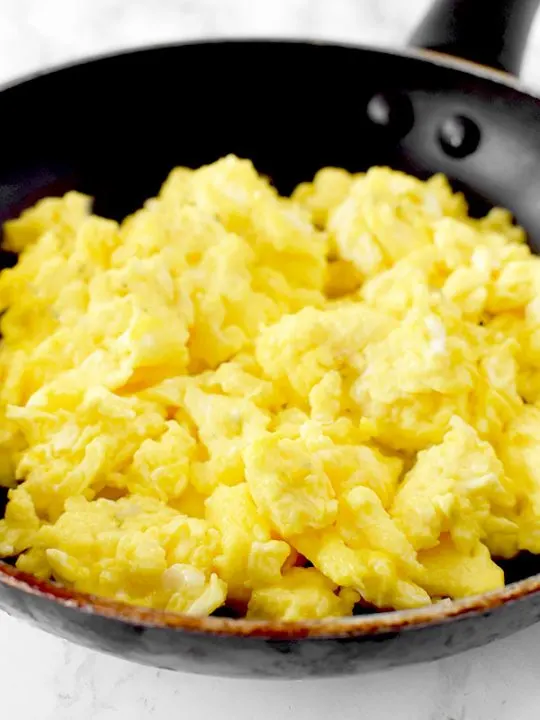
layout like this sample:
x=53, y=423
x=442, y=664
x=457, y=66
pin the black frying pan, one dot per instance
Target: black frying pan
x=115, y=126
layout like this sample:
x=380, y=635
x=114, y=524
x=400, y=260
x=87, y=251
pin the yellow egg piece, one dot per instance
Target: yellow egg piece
x=286, y=405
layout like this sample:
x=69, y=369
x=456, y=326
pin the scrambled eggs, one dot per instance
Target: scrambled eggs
x=291, y=406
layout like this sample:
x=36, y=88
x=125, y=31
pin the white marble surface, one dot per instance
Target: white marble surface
x=43, y=677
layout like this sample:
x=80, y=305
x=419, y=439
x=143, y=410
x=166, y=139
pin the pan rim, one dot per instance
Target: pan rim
x=429, y=56
x=372, y=624
x=349, y=627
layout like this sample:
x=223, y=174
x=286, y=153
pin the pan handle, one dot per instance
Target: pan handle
x=488, y=32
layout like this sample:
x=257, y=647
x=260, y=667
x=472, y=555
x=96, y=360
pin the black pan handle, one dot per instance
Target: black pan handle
x=488, y=32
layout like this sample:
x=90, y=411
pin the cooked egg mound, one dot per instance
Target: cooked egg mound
x=291, y=407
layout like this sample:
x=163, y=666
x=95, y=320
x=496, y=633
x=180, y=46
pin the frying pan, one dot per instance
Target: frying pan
x=113, y=128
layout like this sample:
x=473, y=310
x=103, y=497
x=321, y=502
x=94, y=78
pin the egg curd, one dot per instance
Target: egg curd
x=293, y=407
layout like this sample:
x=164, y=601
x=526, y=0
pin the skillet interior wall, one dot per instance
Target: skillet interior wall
x=114, y=128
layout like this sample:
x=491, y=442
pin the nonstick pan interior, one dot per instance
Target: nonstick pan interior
x=115, y=127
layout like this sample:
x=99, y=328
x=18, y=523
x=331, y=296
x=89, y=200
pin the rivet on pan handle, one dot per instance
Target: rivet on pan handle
x=492, y=33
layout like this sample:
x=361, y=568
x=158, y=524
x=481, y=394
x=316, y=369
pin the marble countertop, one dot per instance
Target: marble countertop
x=50, y=679
x=41, y=676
